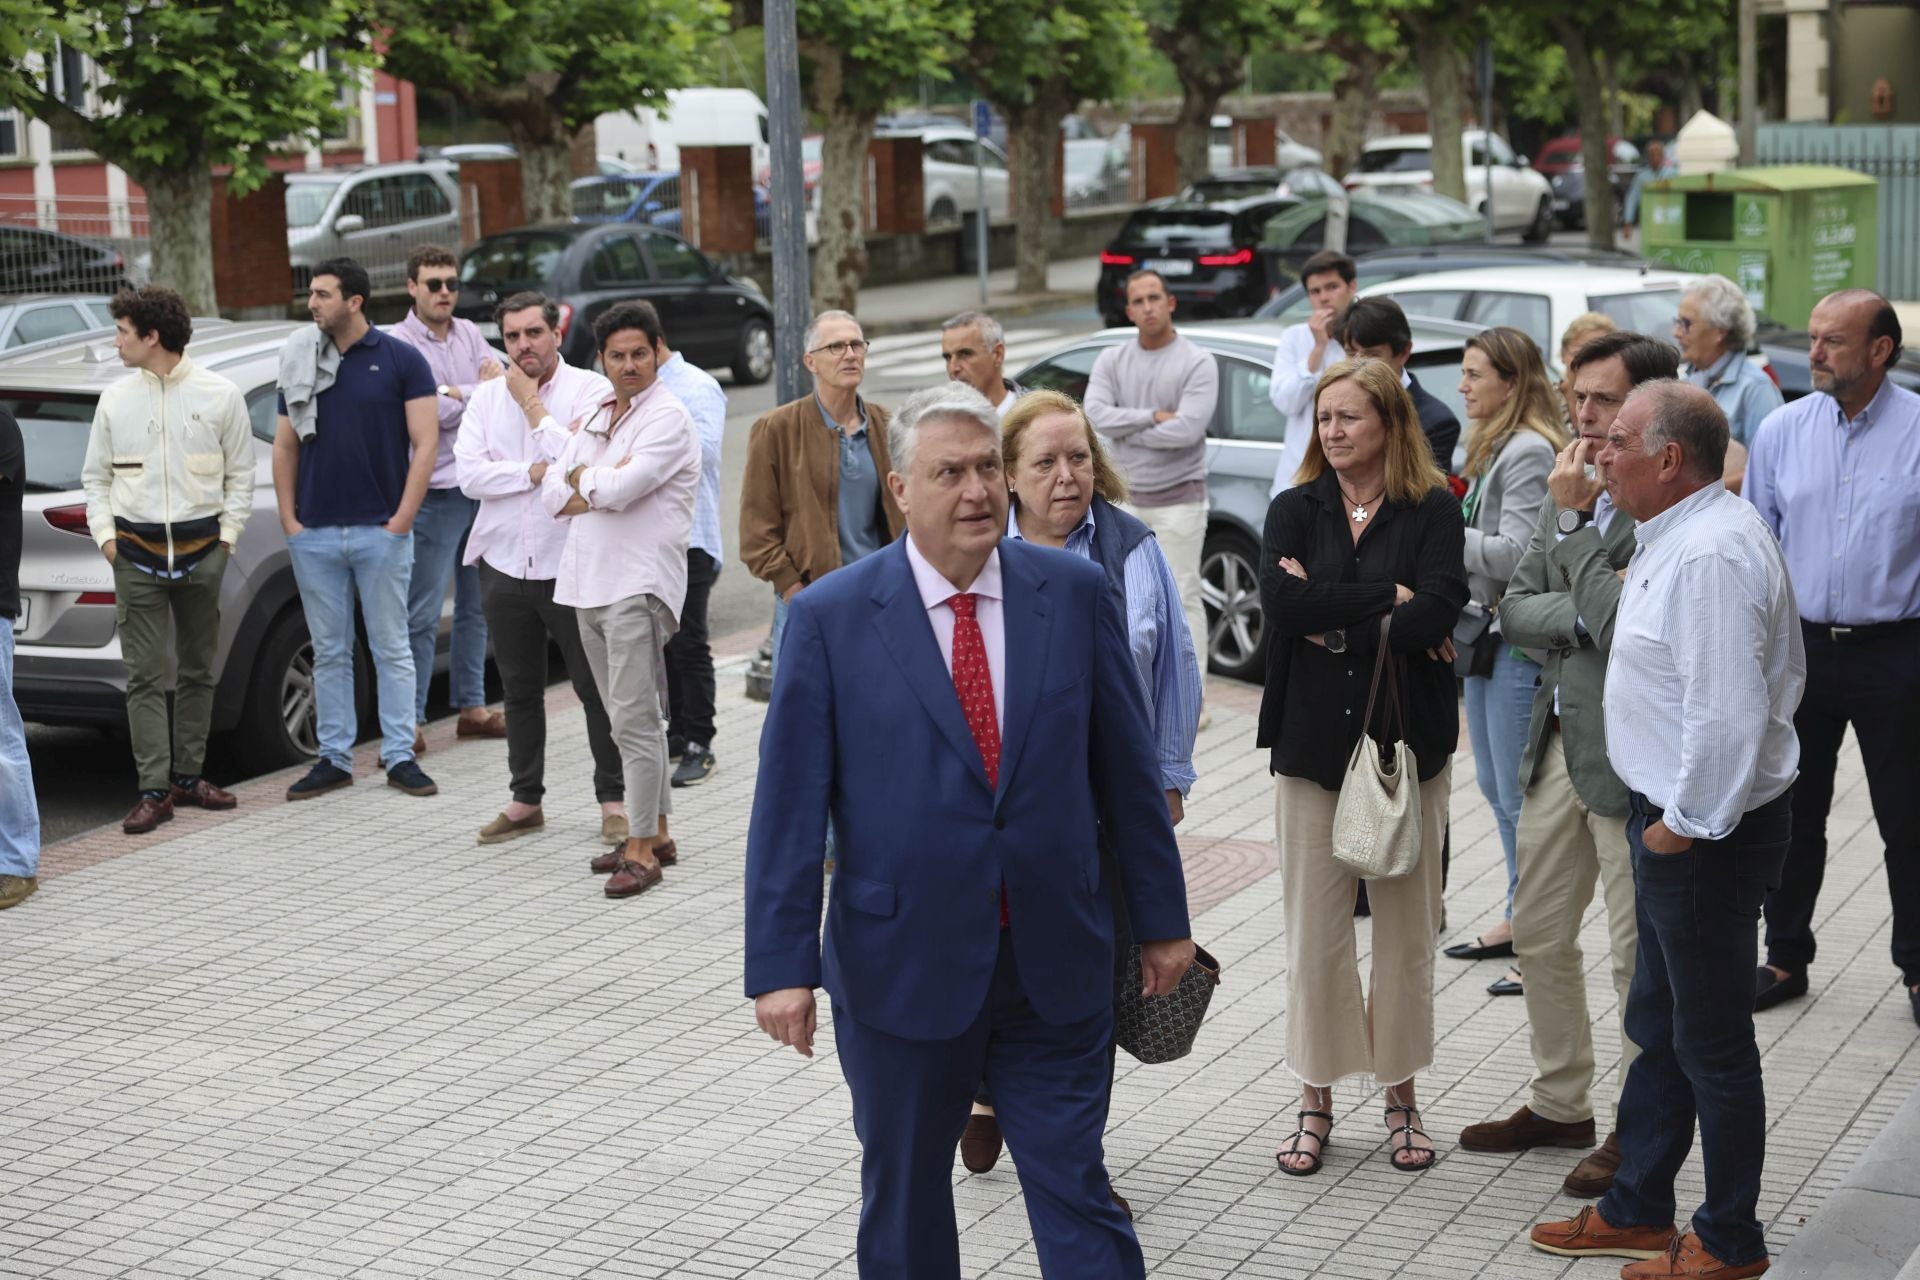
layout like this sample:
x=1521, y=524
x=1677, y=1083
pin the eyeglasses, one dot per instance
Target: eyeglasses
x=856, y=346
x=1682, y=325
x=436, y=285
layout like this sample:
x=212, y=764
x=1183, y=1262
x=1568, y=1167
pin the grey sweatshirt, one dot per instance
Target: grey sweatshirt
x=1129, y=383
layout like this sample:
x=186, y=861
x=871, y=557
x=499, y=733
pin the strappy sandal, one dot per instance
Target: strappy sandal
x=1280, y=1156
x=1395, y=1131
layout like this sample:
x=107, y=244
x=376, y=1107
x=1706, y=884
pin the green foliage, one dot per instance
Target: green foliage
x=185, y=85
x=881, y=46
x=1072, y=49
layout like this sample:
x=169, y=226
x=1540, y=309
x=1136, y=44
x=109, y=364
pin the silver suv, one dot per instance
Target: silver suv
x=67, y=665
x=374, y=215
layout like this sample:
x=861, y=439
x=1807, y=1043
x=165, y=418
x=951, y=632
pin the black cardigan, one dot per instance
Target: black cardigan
x=1314, y=700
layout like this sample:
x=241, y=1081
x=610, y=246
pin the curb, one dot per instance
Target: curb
x=1868, y=1227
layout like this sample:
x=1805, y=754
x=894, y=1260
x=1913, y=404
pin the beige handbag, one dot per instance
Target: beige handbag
x=1376, y=823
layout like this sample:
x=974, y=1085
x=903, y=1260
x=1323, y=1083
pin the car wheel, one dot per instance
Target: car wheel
x=1230, y=590
x=281, y=723
x=754, y=362
x=1542, y=225
x=943, y=213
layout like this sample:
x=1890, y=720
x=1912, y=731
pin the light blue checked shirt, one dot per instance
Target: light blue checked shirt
x=1743, y=391
x=1162, y=650
x=707, y=403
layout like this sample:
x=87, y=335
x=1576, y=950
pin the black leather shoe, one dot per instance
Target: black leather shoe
x=1913, y=998
x=1505, y=987
x=1477, y=950
x=1770, y=989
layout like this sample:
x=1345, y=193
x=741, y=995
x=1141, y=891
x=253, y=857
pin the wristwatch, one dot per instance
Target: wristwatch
x=1336, y=640
x=1574, y=521
x=443, y=389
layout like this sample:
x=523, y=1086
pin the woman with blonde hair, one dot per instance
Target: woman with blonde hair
x=1516, y=431
x=1370, y=532
x=1581, y=330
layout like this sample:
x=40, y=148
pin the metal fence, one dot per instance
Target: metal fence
x=71, y=244
x=1890, y=153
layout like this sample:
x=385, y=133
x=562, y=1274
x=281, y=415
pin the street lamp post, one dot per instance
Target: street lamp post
x=792, y=279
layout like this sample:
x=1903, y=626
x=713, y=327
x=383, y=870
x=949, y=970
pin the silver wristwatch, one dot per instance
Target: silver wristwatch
x=1336, y=640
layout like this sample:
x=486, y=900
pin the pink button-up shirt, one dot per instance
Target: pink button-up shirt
x=455, y=363
x=512, y=531
x=642, y=473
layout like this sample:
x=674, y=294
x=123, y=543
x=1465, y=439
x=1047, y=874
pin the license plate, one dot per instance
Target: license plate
x=489, y=329
x=1170, y=266
x=20, y=623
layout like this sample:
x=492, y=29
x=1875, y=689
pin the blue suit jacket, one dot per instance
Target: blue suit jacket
x=865, y=723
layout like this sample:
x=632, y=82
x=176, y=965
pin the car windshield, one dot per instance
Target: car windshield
x=307, y=202
x=55, y=429
x=523, y=259
x=607, y=199
x=1202, y=228
x=1396, y=160
x=1649, y=311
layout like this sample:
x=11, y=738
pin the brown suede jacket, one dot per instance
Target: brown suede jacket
x=790, y=495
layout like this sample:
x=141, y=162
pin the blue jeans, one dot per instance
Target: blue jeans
x=1499, y=710
x=779, y=634
x=333, y=566
x=19, y=813
x=1690, y=1009
x=439, y=543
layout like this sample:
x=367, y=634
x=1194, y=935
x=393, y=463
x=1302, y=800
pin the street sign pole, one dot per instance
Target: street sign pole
x=1483, y=63
x=982, y=125
x=792, y=279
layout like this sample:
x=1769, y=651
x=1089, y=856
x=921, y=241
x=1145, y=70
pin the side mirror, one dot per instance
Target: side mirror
x=348, y=223
x=1520, y=162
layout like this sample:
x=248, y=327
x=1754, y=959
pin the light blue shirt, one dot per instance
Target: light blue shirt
x=862, y=529
x=707, y=403
x=1843, y=497
x=1639, y=184
x=1162, y=649
x=1742, y=390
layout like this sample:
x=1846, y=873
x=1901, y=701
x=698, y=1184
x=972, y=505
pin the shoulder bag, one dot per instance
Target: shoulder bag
x=1376, y=822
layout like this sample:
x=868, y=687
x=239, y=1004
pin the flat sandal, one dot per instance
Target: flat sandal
x=1279, y=1157
x=1394, y=1131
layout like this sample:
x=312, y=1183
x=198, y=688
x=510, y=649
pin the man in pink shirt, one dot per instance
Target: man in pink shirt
x=516, y=428
x=625, y=485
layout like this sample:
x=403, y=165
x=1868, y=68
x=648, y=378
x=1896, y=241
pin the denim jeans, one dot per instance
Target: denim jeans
x=439, y=544
x=19, y=813
x=333, y=566
x=1690, y=1009
x=779, y=633
x=1499, y=710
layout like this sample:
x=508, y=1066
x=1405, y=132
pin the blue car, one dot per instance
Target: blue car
x=651, y=198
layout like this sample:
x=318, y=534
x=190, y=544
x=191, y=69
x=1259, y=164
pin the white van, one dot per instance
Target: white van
x=651, y=137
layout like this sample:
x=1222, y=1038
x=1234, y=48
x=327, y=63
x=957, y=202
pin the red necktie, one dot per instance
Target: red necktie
x=973, y=681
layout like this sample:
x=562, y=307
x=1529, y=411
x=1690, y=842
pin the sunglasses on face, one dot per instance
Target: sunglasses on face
x=441, y=285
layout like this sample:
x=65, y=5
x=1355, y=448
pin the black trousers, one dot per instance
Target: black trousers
x=1874, y=685
x=689, y=661
x=521, y=618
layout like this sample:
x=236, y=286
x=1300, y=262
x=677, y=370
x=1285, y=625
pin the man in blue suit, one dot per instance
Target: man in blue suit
x=968, y=935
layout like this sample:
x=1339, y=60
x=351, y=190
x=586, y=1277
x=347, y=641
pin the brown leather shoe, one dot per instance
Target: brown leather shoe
x=1686, y=1256
x=1120, y=1200
x=201, y=795
x=666, y=855
x=630, y=878
x=492, y=725
x=1593, y=1176
x=1523, y=1131
x=980, y=1144
x=503, y=828
x=146, y=814
x=1588, y=1235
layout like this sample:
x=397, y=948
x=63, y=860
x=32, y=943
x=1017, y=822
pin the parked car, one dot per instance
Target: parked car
x=1522, y=199
x=1786, y=355
x=811, y=150
x=711, y=317
x=35, y=317
x=37, y=261
x=1243, y=447
x=653, y=198
x=1090, y=174
x=1291, y=305
x=375, y=215
x=1564, y=166
x=1287, y=154
x=947, y=173
x=1208, y=253
x=67, y=663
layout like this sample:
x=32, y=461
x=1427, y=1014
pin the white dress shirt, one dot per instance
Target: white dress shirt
x=1291, y=391
x=1707, y=666
x=988, y=610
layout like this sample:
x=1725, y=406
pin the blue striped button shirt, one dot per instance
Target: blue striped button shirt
x=1162, y=648
x=704, y=399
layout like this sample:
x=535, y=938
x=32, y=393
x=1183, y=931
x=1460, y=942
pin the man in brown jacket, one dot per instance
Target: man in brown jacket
x=815, y=494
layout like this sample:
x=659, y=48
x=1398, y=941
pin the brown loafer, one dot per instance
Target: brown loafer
x=1588, y=1235
x=666, y=855
x=613, y=829
x=503, y=828
x=1593, y=1176
x=201, y=795
x=980, y=1144
x=630, y=878
x=1120, y=1202
x=492, y=725
x=1522, y=1131
x=1687, y=1257
x=147, y=813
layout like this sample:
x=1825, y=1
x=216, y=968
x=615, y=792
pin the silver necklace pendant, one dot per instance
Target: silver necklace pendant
x=1359, y=512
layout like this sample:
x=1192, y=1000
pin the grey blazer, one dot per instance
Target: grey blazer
x=1510, y=501
x=1559, y=580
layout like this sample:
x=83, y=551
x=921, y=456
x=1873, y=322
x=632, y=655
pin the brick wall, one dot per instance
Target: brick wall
x=251, y=269
x=716, y=198
x=898, y=205
x=490, y=198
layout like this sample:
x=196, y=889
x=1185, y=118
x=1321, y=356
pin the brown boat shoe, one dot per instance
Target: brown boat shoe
x=1687, y=1257
x=1588, y=1235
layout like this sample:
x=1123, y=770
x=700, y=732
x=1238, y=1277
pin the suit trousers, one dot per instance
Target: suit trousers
x=1049, y=1083
x=1333, y=1030
x=1563, y=847
x=690, y=683
x=626, y=645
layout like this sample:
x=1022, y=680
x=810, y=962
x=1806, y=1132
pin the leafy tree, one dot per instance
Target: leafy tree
x=1364, y=42
x=545, y=69
x=183, y=87
x=1208, y=42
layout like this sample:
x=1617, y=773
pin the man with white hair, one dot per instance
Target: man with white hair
x=814, y=494
x=967, y=937
x=974, y=348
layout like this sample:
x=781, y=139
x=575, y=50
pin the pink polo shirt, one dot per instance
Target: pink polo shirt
x=642, y=474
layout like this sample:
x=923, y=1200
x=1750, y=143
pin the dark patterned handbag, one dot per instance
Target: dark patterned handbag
x=1163, y=1028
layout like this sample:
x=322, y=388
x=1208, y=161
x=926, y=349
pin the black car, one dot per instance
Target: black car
x=1207, y=252
x=1290, y=302
x=36, y=261
x=713, y=319
x=1786, y=353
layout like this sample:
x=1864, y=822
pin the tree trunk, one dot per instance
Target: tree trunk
x=1034, y=127
x=1352, y=103
x=1193, y=127
x=546, y=177
x=1616, y=112
x=180, y=215
x=1443, y=70
x=840, y=256
x=1590, y=100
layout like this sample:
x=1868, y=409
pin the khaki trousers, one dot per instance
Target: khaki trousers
x=1561, y=848
x=1333, y=1031
x=625, y=644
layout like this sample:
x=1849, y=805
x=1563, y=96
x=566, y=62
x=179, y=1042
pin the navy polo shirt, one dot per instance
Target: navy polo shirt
x=354, y=469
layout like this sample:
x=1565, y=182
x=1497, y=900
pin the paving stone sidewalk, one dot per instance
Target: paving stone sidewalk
x=337, y=1039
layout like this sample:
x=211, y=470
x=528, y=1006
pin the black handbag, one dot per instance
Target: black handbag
x=1165, y=1027
x=1474, y=645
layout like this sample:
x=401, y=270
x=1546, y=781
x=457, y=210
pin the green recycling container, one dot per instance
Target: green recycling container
x=1788, y=235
